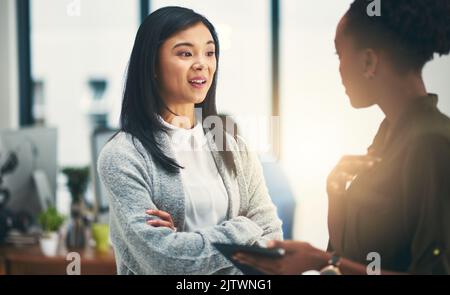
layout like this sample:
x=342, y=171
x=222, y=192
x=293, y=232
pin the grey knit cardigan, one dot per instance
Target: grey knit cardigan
x=135, y=183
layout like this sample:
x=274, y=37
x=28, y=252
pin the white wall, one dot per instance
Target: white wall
x=9, y=97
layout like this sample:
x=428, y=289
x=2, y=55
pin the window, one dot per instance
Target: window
x=79, y=54
x=319, y=124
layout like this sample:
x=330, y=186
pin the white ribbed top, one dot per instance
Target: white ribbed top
x=206, y=197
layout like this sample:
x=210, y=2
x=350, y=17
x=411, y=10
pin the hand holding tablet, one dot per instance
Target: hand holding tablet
x=229, y=250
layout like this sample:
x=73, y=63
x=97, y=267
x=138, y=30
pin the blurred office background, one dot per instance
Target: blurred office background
x=63, y=65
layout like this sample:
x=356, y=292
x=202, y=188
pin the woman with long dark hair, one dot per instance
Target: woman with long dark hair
x=177, y=181
x=394, y=217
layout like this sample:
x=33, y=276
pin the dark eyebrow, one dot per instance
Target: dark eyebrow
x=191, y=45
x=183, y=44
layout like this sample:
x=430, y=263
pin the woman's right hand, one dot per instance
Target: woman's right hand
x=298, y=257
x=165, y=221
x=346, y=170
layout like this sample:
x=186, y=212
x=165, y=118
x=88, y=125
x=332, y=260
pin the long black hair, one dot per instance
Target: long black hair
x=411, y=31
x=142, y=102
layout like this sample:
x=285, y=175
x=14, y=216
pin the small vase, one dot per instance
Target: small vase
x=100, y=233
x=49, y=244
x=76, y=232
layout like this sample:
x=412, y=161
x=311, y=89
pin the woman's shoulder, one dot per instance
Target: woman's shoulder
x=122, y=149
x=120, y=143
x=432, y=121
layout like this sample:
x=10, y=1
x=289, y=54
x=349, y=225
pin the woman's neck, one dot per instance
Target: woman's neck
x=398, y=93
x=182, y=115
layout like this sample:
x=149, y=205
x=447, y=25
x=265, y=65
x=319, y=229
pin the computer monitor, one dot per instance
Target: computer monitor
x=99, y=138
x=32, y=183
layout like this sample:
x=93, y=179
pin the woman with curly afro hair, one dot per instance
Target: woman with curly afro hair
x=389, y=210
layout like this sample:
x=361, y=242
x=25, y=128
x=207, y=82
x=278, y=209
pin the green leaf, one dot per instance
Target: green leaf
x=50, y=220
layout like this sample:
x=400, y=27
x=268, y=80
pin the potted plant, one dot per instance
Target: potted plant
x=77, y=182
x=50, y=221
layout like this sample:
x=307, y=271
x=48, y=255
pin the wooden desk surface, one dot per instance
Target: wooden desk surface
x=29, y=260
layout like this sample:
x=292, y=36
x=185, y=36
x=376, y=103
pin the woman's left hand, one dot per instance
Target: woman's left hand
x=298, y=258
x=165, y=221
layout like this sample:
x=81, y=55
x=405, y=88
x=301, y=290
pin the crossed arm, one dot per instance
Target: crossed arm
x=159, y=249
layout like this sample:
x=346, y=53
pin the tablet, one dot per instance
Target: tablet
x=228, y=250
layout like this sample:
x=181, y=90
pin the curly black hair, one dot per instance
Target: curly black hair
x=412, y=31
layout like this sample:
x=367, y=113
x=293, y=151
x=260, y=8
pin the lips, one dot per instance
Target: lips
x=198, y=82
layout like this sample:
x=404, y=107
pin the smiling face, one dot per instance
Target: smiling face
x=357, y=68
x=186, y=67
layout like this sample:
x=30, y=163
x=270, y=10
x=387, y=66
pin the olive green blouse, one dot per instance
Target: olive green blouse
x=400, y=208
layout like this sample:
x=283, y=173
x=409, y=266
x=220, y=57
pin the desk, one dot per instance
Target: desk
x=29, y=260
